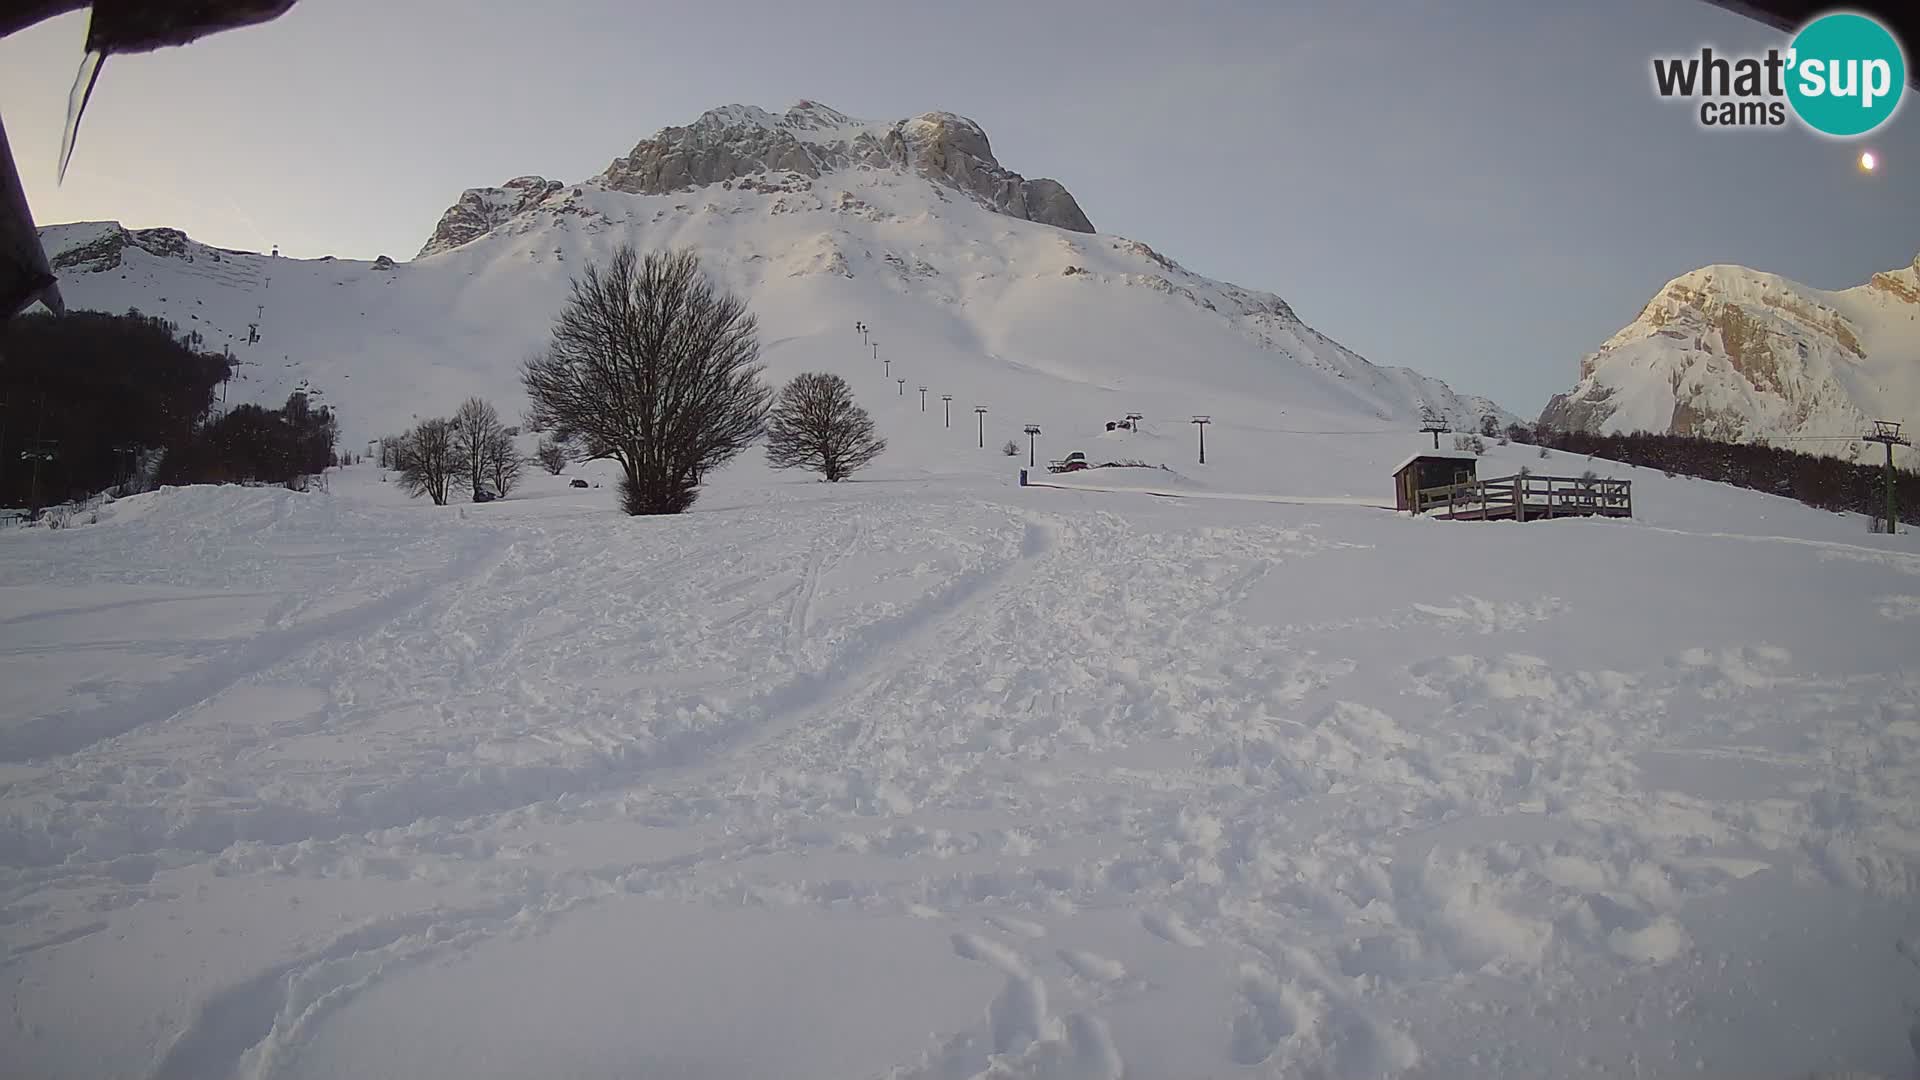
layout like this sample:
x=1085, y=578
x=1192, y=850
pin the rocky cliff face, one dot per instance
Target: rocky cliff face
x=1726, y=352
x=102, y=246
x=741, y=142
x=745, y=146
x=481, y=210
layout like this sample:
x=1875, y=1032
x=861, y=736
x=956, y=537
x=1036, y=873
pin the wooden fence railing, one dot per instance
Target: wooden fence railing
x=1527, y=498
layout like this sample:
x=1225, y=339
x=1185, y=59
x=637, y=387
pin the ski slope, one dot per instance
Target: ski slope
x=928, y=775
x=1035, y=323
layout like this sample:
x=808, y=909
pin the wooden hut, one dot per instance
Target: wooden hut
x=1431, y=469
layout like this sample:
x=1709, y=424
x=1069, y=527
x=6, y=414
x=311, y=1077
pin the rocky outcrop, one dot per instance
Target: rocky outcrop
x=1579, y=411
x=104, y=250
x=1730, y=353
x=747, y=147
x=953, y=150
x=724, y=144
x=481, y=210
x=741, y=141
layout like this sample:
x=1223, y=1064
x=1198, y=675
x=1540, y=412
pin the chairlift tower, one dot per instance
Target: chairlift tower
x=40, y=452
x=125, y=452
x=1033, y=431
x=1201, y=422
x=1887, y=433
x=948, y=399
x=981, y=412
x=923, y=399
x=1432, y=423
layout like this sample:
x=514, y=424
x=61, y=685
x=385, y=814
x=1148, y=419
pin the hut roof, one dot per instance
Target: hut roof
x=1437, y=455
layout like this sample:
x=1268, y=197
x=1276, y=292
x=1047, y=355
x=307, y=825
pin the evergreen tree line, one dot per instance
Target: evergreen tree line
x=1825, y=482
x=90, y=398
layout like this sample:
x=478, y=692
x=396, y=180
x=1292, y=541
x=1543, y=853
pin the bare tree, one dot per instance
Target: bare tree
x=815, y=425
x=655, y=367
x=426, y=460
x=504, y=464
x=476, y=436
x=552, y=456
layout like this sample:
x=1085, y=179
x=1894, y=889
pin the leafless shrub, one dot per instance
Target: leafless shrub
x=816, y=425
x=652, y=366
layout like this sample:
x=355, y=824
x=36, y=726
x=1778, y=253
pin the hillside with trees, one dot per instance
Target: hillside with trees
x=90, y=401
x=1826, y=482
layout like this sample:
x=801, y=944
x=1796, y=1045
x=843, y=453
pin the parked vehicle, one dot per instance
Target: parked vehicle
x=577, y=482
x=1073, y=462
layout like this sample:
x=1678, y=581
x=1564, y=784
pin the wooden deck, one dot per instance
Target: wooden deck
x=1527, y=498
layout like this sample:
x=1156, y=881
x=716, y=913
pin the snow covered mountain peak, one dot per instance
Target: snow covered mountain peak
x=790, y=151
x=1729, y=352
x=811, y=140
x=802, y=117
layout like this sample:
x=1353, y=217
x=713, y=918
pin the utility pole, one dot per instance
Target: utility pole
x=903, y=386
x=1032, y=431
x=126, y=454
x=1887, y=432
x=1430, y=422
x=948, y=398
x=41, y=452
x=981, y=411
x=1201, y=422
x=923, y=399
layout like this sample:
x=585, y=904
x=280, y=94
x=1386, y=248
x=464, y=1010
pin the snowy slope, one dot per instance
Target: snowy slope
x=1731, y=353
x=931, y=776
x=1067, y=328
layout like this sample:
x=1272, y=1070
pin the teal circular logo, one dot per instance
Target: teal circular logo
x=1845, y=74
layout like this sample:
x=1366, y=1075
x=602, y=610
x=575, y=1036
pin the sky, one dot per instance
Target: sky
x=1483, y=190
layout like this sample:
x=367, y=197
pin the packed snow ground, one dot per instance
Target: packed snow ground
x=931, y=776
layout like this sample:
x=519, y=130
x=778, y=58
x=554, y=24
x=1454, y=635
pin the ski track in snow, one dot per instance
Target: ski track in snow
x=1185, y=806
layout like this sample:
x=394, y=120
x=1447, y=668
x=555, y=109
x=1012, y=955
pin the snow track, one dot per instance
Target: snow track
x=867, y=781
x=66, y=732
